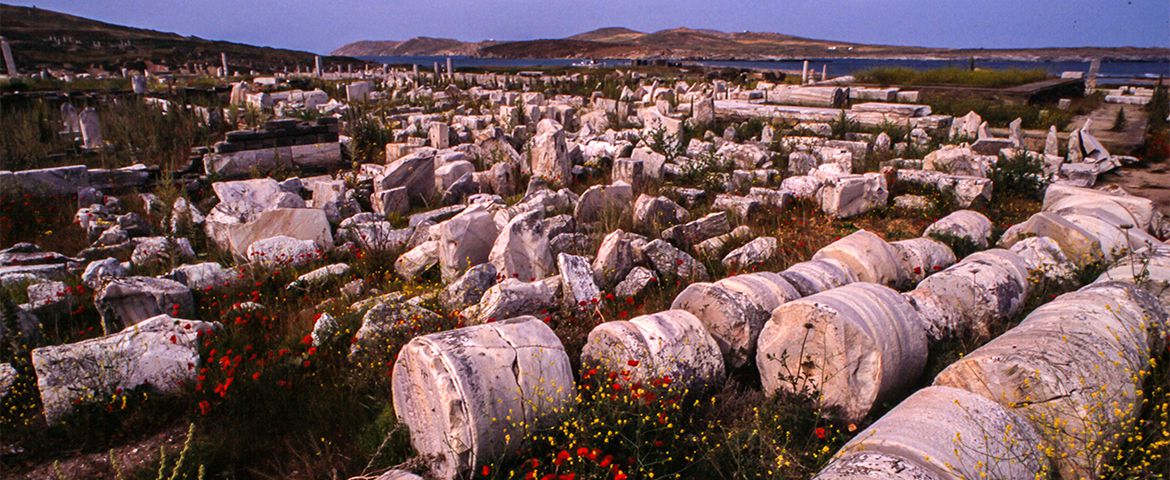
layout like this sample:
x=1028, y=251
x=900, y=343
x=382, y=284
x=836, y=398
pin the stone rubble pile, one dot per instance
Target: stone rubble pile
x=856, y=322
x=1068, y=376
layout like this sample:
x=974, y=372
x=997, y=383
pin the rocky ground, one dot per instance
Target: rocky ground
x=497, y=276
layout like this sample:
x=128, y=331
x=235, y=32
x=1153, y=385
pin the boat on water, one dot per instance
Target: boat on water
x=587, y=63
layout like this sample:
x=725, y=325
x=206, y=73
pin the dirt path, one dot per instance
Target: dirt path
x=1118, y=143
x=1151, y=180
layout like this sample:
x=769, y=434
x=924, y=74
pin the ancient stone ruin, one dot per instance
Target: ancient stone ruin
x=504, y=245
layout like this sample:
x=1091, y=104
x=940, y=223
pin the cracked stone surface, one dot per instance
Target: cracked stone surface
x=471, y=394
x=859, y=344
x=161, y=351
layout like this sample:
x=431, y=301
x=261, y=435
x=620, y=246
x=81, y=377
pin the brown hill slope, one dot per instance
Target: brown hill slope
x=416, y=46
x=609, y=35
x=620, y=42
x=46, y=39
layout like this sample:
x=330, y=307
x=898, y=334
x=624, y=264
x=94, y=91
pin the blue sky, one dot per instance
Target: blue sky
x=321, y=26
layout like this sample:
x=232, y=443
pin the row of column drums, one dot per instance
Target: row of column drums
x=835, y=322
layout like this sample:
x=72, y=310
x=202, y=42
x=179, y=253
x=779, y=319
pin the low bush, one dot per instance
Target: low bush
x=950, y=76
x=1020, y=175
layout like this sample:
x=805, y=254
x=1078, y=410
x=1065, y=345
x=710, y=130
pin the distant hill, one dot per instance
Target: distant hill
x=688, y=43
x=609, y=35
x=43, y=39
x=414, y=46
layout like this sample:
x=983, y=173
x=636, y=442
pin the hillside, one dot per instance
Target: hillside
x=421, y=46
x=609, y=35
x=688, y=43
x=44, y=39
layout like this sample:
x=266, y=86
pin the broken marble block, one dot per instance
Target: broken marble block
x=512, y=297
x=418, y=260
x=916, y=440
x=466, y=241
x=670, y=262
x=852, y=195
x=636, y=282
x=471, y=395
x=619, y=252
x=550, y=153
x=963, y=225
x=955, y=160
x=384, y=323
x=698, y=230
x=652, y=214
x=577, y=282
x=751, y=255
x=414, y=172
x=298, y=223
x=672, y=344
x=867, y=347
x=468, y=289
x=123, y=302
x=602, y=202
x=161, y=351
x=521, y=250
x=734, y=309
x=99, y=271
x=161, y=251
x=282, y=250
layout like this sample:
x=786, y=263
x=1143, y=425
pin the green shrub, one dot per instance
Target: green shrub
x=950, y=76
x=369, y=136
x=1020, y=175
x=668, y=144
x=1119, y=121
x=843, y=125
x=1159, y=107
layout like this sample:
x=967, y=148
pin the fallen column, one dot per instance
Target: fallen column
x=161, y=351
x=671, y=344
x=1074, y=368
x=734, y=309
x=920, y=257
x=456, y=390
x=941, y=433
x=973, y=295
x=818, y=275
x=869, y=257
x=857, y=345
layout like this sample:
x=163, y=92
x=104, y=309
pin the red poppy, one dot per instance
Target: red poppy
x=633, y=363
x=561, y=457
x=820, y=432
x=486, y=470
